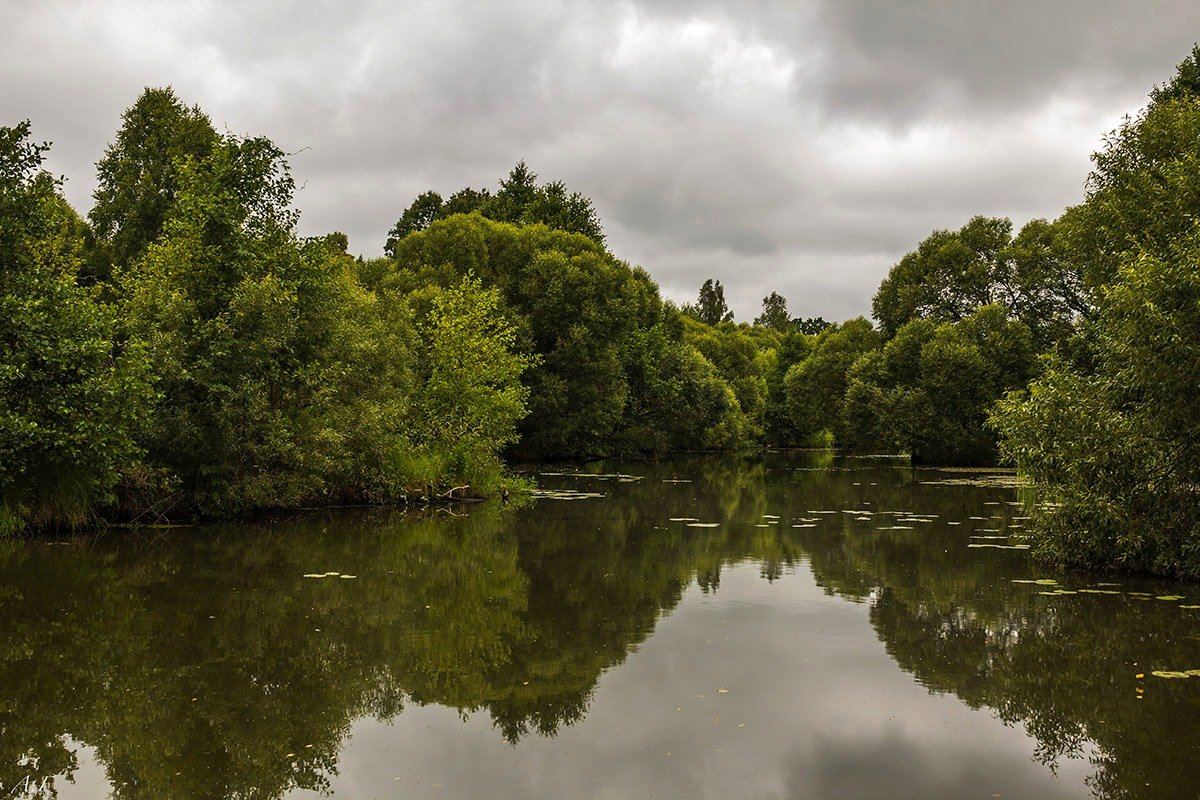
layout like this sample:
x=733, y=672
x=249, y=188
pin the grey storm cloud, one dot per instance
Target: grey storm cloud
x=801, y=147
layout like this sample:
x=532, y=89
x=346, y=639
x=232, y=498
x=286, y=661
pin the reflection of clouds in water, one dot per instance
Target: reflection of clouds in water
x=808, y=679
x=904, y=767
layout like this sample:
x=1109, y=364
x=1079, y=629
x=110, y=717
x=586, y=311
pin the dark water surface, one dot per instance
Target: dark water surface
x=592, y=647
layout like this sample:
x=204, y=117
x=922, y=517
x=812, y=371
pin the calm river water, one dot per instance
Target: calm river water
x=796, y=626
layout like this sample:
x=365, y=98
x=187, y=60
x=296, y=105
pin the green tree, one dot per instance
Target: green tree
x=710, y=307
x=283, y=381
x=575, y=307
x=774, y=312
x=810, y=325
x=71, y=398
x=1107, y=432
x=1145, y=187
x=951, y=274
x=928, y=391
x=816, y=387
x=520, y=201
x=1109, y=436
x=138, y=177
x=424, y=210
x=471, y=398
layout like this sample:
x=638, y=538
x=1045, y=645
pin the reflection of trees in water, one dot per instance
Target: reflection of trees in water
x=195, y=664
x=1061, y=667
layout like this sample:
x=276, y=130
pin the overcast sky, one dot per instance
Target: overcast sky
x=793, y=146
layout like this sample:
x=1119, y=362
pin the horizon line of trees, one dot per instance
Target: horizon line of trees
x=183, y=350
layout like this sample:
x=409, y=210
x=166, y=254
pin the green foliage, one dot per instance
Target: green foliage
x=1110, y=439
x=139, y=176
x=1143, y=192
x=953, y=273
x=815, y=387
x=746, y=359
x=520, y=201
x=71, y=398
x=774, y=313
x=1107, y=433
x=928, y=390
x=810, y=325
x=283, y=381
x=416, y=217
x=677, y=399
x=607, y=361
x=470, y=399
x=710, y=307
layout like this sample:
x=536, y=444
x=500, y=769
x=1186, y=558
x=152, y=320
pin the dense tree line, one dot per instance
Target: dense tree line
x=1108, y=432
x=185, y=351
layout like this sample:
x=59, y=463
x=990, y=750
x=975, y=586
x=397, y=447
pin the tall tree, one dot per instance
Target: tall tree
x=710, y=307
x=283, y=381
x=1108, y=432
x=138, y=176
x=774, y=312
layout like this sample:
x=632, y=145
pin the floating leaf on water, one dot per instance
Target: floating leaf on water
x=1100, y=591
x=1107, y=584
x=1169, y=597
x=1038, y=581
x=989, y=537
x=761, y=525
x=314, y=574
x=683, y=519
x=704, y=524
x=862, y=519
x=1167, y=673
x=1001, y=546
x=770, y=516
x=810, y=511
x=675, y=480
x=806, y=525
x=1189, y=606
x=1195, y=673
x=954, y=523
x=347, y=577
